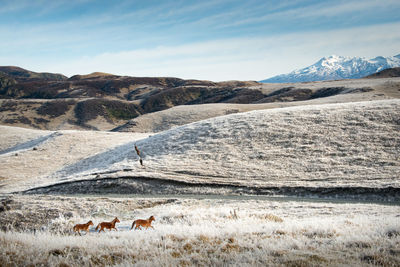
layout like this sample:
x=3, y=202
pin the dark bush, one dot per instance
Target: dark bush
x=20, y=119
x=110, y=109
x=287, y=94
x=41, y=121
x=325, y=92
x=8, y=106
x=55, y=108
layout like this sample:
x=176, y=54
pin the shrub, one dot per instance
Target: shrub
x=110, y=109
x=55, y=108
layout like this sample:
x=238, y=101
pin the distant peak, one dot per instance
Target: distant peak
x=336, y=67
x=334, y=57
x=331, y=58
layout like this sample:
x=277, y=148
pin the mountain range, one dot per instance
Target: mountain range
x=337, y=68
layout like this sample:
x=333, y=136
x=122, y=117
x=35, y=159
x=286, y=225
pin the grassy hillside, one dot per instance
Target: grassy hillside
x=326, y=145
x=338, y=145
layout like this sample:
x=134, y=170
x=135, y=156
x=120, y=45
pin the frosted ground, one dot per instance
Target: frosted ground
x=342, y=158
x=243, y=231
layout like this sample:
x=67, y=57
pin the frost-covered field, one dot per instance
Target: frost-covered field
x=189, y=231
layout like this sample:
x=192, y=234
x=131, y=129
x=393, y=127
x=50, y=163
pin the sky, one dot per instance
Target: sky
x=207, y=39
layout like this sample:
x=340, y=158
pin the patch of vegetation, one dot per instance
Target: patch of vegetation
x=379, y=259
x=40, y=89
x=98, y=87
x=8, y=106
x=5, y=83
x=245, y=96
x=55, y=108
x=393, y=233
x=171, y=97
x=360, y=90
x=273, y=218
x=20, y=119
x=109, y=109
x=41, y=121
x=308, y=260
x=287, y=94
x=326, y=92
x=122, y=113
x=37, y=89
x=199, y=95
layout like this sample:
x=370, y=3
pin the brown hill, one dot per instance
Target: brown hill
x=103, y=101
x=23, y=74
x=387, y=73
x=94, y=75
x=100, y=100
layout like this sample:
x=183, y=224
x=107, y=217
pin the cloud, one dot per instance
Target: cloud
x=306, y=12
x=239, y=58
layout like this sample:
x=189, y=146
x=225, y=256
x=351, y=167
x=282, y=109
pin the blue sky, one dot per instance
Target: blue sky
x=214, y=40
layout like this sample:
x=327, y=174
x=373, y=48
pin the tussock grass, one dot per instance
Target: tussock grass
x=200, y=232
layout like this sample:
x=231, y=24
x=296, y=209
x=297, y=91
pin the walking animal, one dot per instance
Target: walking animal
x=144, y=223
x=107, y=225
x=137, y=150
x=83, y=227
x=138, y=153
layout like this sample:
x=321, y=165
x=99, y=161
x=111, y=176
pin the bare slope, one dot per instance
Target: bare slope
x=352, y=144
x=27, y=156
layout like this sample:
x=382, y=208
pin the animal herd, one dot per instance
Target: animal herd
x=111, y=225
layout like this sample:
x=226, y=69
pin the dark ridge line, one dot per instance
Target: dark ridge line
x=268, y=190
x=136, y=178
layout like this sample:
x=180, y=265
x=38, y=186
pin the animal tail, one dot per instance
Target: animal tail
x=133, y=224
x=97, y=227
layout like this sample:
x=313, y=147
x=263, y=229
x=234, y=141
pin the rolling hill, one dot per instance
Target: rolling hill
x=387, y=73
x=350, y=145
x=101, y=101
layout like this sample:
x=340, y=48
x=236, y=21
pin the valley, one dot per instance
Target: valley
x=302, y=174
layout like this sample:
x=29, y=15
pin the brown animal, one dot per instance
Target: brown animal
x=144, y=223
x=107, y=225
x=82, y=227
x=137, y=150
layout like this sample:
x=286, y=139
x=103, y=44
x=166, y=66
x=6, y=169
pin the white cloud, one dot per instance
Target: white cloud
x=237, y=59
x=317, y=11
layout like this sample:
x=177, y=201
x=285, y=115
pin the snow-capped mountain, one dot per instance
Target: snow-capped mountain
x=337, y=68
